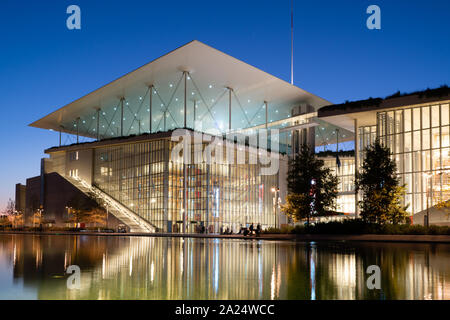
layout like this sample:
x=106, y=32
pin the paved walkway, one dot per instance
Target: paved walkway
x=291, y=237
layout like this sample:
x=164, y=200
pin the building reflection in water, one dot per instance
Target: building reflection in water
x=177, y=268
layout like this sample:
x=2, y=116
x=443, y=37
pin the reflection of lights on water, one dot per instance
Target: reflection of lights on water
x=216, y=267
x=152, y=272
x=260, y=272
x=65, y=260
x=343, y=267
x=313, y=271
x=272, y=284
x=14, y=255
x=104, y=266
x=131, y=265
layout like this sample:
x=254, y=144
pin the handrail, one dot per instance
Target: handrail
x=111, y=202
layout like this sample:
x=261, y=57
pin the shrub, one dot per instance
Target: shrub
x=358, y=226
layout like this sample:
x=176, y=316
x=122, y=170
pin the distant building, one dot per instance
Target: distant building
x=20, y=198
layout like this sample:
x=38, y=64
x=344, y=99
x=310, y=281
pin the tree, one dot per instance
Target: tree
x=86, y=209
x=11, y=216
x=10, y=207
x=96, y=216
x=17, y=220
x=381, y=191
x=37, y=218
x=312, y=187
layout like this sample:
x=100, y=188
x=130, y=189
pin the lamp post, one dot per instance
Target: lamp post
x=276, y=203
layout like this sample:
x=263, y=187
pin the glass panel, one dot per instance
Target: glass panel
x=435, y=138
x=445, y=137
x=417, y=203
x=446, y=185
x=398, y=143
x=390, y=122
x=416, y=140
x=425, y=117
x=445, y=114
x=435, y=116
x=398, y=121
x=408, y=182
x=408, y=202
x=407, y=141
x=426, y=160
x=416, y=118
x=407, y=116
x=399, y=162
x=408, y=162
x=426, y=139
x=446, y=158
x=417, y=156
x=435, y=160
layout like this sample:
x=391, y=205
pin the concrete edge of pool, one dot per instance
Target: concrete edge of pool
x=303, y=237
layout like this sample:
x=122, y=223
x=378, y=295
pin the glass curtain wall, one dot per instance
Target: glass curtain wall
x=346, y=187
x=218, y=196
x=419, y=140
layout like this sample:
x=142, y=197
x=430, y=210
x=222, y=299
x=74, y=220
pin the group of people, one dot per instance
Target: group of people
x=251, y=230
x=244, y=230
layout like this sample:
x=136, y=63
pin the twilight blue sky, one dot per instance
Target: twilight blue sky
x=44, y=66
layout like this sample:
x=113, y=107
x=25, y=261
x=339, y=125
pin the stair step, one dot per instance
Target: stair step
x=128, y=217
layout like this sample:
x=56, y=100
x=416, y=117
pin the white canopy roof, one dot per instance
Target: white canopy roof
x=210, y=73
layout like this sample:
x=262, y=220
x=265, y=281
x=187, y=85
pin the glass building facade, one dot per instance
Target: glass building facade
x=419, y=140
x=345, y=202
x=219, y=196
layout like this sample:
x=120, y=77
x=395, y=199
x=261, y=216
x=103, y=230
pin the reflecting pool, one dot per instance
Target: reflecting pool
x=33, y=267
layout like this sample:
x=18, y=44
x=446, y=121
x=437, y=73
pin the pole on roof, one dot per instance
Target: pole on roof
x=121, y=116
x=229, y=108
x=78, y=131
x=60, y=133
x=98, y=124
x=356, y=166
x=185, y=98
x=266, y=107
x=150, y=108
x=292, y=42
x=195, y=107
x=165, y=116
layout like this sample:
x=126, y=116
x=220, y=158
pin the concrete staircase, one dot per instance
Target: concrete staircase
x=128, y=217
